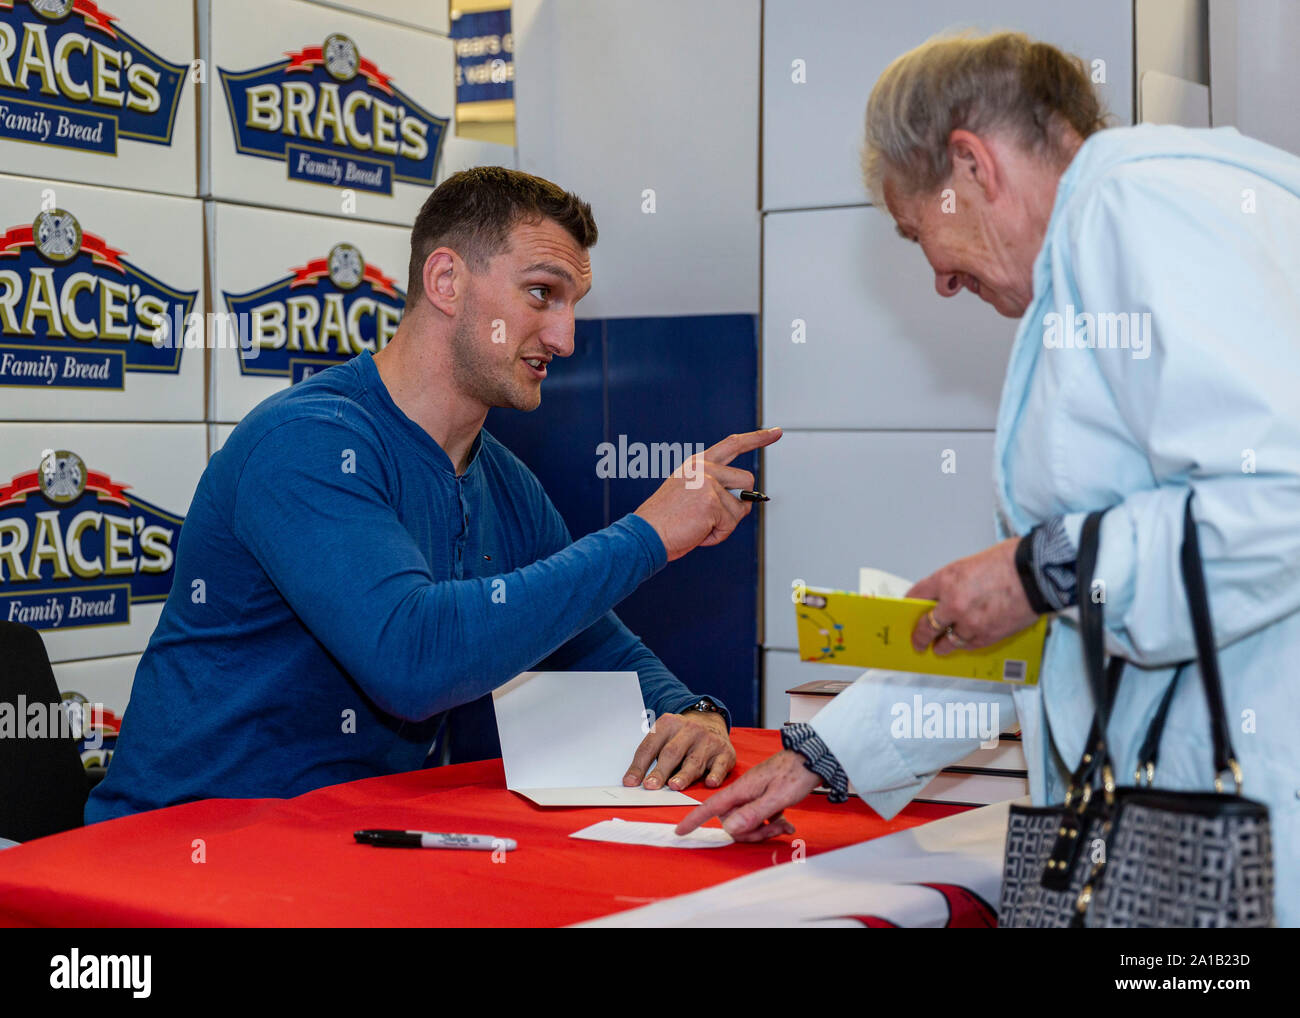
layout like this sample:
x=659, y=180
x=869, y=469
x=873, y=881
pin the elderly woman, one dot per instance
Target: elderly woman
x=991, y=154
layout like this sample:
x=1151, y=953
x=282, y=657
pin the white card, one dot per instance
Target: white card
x=638, y=832
x=567, y=739
x=878, y=583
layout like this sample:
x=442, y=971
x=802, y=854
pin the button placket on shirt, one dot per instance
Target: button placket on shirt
x=464, y=530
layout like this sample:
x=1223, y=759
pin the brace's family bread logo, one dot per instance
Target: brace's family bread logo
x=71, y=77
x=76, y=550
x=333, y=117
x=324, y=313
x=75, y=314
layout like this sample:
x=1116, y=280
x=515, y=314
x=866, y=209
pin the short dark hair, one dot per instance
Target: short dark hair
x=473, y=212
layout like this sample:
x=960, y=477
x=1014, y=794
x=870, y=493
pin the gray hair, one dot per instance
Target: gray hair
x=983, y=83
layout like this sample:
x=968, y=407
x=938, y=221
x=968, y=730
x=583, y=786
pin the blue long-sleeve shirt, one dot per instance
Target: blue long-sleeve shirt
x=338, y=588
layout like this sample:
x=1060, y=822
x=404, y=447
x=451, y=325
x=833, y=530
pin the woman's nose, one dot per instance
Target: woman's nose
x=948, y=284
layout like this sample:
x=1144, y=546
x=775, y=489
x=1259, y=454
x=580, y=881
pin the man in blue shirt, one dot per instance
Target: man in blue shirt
x=361, y=557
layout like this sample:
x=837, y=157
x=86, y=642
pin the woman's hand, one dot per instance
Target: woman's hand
x=750, y=807
x=979, y=601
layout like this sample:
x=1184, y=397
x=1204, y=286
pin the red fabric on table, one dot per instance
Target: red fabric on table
x=293, y=862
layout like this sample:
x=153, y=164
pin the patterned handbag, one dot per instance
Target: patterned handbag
x=1137, y=856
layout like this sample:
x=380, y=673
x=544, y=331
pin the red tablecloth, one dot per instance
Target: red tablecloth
x=293, y=862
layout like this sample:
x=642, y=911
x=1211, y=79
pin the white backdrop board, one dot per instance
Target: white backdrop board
x=322, y=111
x=99, y=93
x=905, y=502
x=104, y=681
x=94, y=303
x=218, y=435
x=813, y=128
x=650, y=113
x=90, y=519
x=431, y=15
x=783, y=670
x=305, y=292
x=854, y=335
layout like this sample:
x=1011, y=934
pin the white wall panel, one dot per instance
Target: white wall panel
x=100, y=493
x=87, y=276
x=783, y=670
x=462, y=153
x=100, y=101
x=841, y=500
x=1254, y=76
x=377, y=103
x=1267, y=72
x=617, y=98
x=105, y=681
x=812, y=132
x=881, y=349
x=256, y=254
x=218, y=435
x=431, y=15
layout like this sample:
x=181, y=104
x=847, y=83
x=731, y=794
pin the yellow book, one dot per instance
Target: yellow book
x=839, y=628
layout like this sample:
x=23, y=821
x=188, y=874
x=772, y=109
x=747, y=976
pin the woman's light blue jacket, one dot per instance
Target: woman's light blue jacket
x=1193, y=237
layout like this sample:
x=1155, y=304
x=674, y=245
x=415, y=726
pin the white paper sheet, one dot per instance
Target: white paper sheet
x=567, y=739
x=878, y=583
x=606, y=795
x=638, y=832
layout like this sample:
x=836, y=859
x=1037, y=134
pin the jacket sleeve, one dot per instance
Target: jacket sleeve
x=1212, y=400
x=332, y=543
x=607, y=645
x=876, y=730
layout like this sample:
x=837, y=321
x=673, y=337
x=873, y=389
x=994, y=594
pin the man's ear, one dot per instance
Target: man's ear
x=974, y=163
x=445, y=277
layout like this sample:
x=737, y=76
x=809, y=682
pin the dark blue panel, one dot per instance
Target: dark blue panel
x=486, y=73
x=558, y=440
x=692, y=379
x=683, y=380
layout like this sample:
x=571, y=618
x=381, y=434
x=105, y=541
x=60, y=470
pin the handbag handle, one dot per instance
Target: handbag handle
x=1092, y=619
x=1094, y=765
x=1150, y=749
x=1103, y=682
x=1207, y=654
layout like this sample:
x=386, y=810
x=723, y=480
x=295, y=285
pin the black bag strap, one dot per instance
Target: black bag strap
x=1093, y=771
x=1207, y=654
x=1102, y=681
x=1198, y=606
x=1150, y=751
x=1095, y=752
x=1092, y=619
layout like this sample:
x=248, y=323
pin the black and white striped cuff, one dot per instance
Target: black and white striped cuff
x=817, y=758
x=1054, y=564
